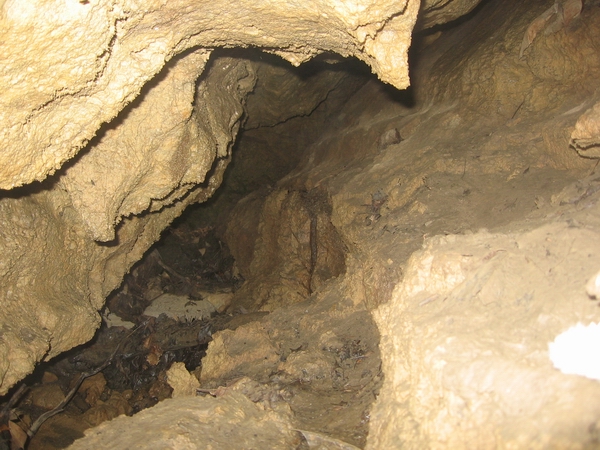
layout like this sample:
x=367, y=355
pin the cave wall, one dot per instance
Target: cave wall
x=469, y=222
x=110, y=49
x=112, y=128
x=54, y=268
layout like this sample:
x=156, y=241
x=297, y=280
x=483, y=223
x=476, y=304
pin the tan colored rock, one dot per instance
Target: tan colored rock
x=437, y=12
x=47, y=396
x=486, y=145
x=180, y=307
x=296, y=248
x=465, y=344
x=228, y=422
x=280, y=94
x=143, y=163
x=52, y=263
x=92, y=388
x=484, y=119
x=111, y=88
x=115, y=406
x=184, y=384
x=57, y=96
x=586, y=136
x=247, y=350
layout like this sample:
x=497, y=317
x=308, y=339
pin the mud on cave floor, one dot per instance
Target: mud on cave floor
x=331, y=394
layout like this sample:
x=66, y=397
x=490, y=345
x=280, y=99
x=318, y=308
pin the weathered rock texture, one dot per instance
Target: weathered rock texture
x=484, y=143
x=196, y=423
x=387, y=211
x=586, y=136
x=72, y=66
x=53, y=266
x=298, y=249
x=467, y=336
x=110, y=107
x=436, y=12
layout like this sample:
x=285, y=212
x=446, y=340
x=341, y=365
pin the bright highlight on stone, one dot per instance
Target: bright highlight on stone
x=577, y=351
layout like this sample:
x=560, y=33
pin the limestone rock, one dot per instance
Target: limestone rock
x=52, y=262
x=115, y=406
x=72, y=66
x=142, y=163
x=436, y=12
x=103, y=104
x=246, y=350
x=281, y=94
x=228, y=422
x=136, y=124
x=184, y=384
x=295, y=250
x=586, y=136
x=180, y=307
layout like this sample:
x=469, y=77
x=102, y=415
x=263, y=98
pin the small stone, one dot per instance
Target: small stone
x=180, y=307
x=389, y=137
x=48, y=378
x=47, y=396
x=184, y=384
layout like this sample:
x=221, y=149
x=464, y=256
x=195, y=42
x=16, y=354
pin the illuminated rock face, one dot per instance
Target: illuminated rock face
x=56, y=269
x=114, y=119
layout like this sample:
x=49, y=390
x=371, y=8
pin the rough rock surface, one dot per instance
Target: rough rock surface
x=298, y=249
x=227, y=422
x=143, y=163
x=53, y=267
x=478, y=144
x=586, y=136
x=436, y=12
x=318, y=357
x=469, y=329
x=59, y=95
x=110, y=107
x=471, y=169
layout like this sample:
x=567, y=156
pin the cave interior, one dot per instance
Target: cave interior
x=377, y=268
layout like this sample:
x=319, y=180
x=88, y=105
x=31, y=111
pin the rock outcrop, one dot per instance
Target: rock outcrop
x=465, y=314
x=71, y=66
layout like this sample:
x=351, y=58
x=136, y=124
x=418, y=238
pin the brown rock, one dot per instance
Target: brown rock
x=47, y=396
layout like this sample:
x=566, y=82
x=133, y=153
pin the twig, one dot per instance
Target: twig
x=211, y=392
x=13, y=400
x=168, y=269
x=61, y=406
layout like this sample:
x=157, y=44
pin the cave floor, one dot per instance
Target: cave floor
x=329, y=398
x=327, y=347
